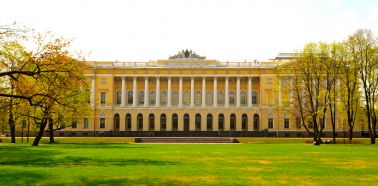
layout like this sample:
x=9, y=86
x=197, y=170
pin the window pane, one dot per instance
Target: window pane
x=152, y=97
x=220, y=97
x=209, y=98
x=231, y=100
x=175, y=100
x=164, y=97
x=103, y=97
x=243, y=100
x=102, y=123
x=186, y=98
x=197, y=99
x=86, y=121
x=130, y=97
x=141, y=97
x=254, y=97
x=118, y=97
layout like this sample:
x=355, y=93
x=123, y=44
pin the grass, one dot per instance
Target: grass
x=188, y=164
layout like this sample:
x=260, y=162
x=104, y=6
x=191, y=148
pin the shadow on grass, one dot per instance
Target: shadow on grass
x=100, y=146
x=126, y=181
x=82, y=161
x=9, y=177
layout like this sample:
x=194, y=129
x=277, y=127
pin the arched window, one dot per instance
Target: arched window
x=140, y=121
x=254, y=97
x=243, y=98
x=221, y=122
x=118, y=97
x=164, y=97
x=220, y=97
x=209, y=122
x=256, y=122
x=231, y=98
x=186, y=122
x=244, y=122
x=128, y=121
x=209, y=97
x=116, y=121
x=232, y=122
x=186, y=97
x=151, y=122
x=198, y=122
x=130, y=97
x=152, y=97
x=174, y=122
x=197, y=98
x=141, y=97
x=175, y=100
x=163, y=122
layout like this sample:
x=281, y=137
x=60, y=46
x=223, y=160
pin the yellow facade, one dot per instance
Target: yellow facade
x=255, y=84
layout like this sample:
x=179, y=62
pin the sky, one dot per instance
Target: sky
x=143, y=30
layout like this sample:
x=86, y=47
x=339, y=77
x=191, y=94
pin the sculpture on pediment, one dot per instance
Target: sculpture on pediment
x=186, y=54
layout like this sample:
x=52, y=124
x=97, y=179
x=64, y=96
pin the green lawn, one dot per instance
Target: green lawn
x=188, y=164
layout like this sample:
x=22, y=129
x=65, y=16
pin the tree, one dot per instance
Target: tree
x=313, y=76
x=365, y=54
x=350, y=94
x=45, y=75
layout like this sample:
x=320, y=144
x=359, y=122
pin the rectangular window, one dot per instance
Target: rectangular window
x=130, y=97
x=86, y=121
x=102, y=97
x=118, y=97
x=102, y=123
x=270, y=123
x=286, y=123
x=74, y=124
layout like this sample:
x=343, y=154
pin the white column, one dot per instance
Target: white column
x=260, y=93
x=192, y=92
x=135, y=92
x=169, y=103
x=215, y=103
x=203, y=91
x=146, y=100
x=249, y=92
x=180, y=92
x=279, y=92
x=238, y=92
x=226, y=93
x=93, y=92
x=157, y=92
x=123, y=92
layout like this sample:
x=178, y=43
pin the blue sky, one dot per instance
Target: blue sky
x=142, y=30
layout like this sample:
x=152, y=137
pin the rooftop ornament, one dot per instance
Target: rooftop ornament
x=186, y=54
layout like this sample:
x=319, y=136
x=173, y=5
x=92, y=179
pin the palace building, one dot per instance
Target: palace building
x=189, y=95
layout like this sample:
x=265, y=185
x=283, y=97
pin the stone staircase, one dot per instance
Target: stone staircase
x=184, y=140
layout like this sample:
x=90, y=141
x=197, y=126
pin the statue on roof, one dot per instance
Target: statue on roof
x=186, y=54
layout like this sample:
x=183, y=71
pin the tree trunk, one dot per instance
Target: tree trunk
x=27, y=137
x=350, y=134
x=12, y=126
x=334, y=134
x=51, y=131
x=40, y=133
